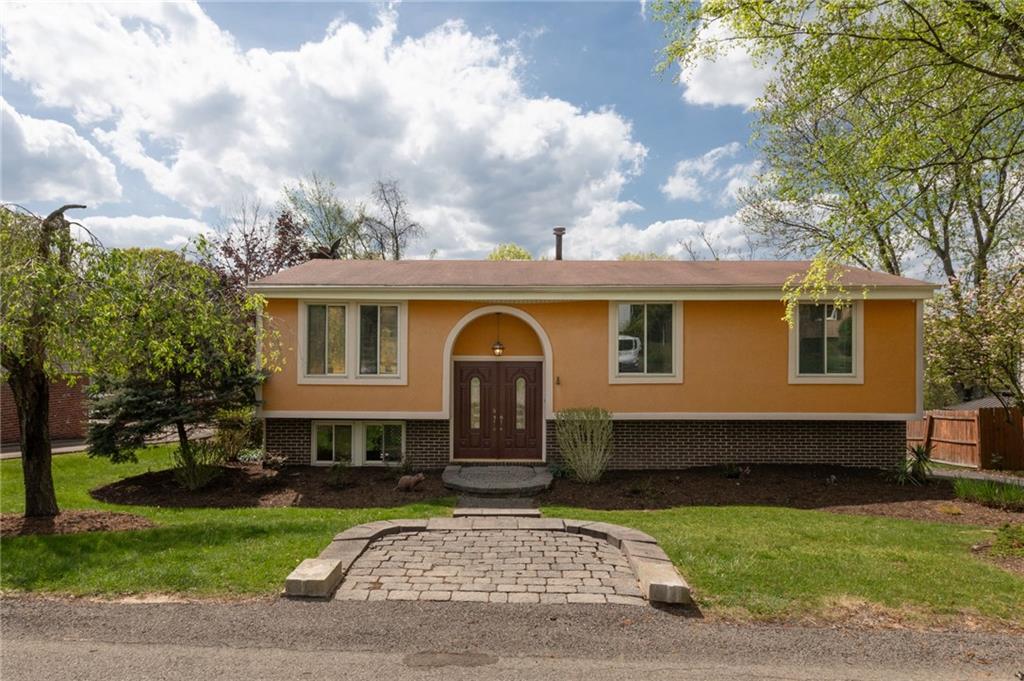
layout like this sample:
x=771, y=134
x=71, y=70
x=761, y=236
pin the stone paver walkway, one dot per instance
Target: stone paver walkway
x=498, y=566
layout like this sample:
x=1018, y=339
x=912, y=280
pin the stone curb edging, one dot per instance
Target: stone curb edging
x=660, y=582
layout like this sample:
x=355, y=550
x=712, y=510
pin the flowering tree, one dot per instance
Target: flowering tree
x=976, y=335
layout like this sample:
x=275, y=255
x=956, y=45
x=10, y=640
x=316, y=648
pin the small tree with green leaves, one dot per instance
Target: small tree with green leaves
x=509, y=251
x=176, y=347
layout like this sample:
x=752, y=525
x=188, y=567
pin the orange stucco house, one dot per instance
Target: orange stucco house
x=468, y=361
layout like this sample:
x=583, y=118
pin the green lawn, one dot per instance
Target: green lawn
x=192, y=551
x=777, y=562
x=745, y=561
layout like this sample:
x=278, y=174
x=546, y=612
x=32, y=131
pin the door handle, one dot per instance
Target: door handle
x=501, y=422
x=494, y=413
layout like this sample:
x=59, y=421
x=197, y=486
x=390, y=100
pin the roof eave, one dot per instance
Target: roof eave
x=608, y=292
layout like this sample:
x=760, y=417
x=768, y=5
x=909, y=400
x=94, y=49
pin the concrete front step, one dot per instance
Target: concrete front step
x=488, y=481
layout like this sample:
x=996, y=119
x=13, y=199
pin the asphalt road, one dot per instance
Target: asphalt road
x=50, y=639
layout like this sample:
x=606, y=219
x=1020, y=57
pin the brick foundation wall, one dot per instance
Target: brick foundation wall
x=426, y=442
x=68, y=412
x=682, y=444
x=664, y=444
x=290, y=438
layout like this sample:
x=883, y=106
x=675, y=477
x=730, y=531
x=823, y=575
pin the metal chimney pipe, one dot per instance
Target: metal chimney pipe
x=559, y=232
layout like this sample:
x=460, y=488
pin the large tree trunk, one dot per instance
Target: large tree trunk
x=31, y=388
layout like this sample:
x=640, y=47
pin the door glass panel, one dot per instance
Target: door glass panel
x=520, y=403
x=324, y=444
x=316, y=325
x=474, y=403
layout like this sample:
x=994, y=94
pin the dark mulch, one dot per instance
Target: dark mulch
x=250, y=485
x=839, y=490
x=72, y=522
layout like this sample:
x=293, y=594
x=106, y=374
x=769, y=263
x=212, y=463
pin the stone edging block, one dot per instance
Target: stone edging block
x=658, y=577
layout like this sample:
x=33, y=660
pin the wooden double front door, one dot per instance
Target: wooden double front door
x=498, y=410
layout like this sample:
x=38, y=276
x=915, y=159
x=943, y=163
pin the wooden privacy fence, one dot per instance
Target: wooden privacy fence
x=990, y=437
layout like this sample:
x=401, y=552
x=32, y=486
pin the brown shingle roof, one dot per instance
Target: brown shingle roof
x=661, y=274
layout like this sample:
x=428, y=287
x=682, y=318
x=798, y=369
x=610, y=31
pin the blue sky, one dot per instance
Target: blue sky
x=501, y=120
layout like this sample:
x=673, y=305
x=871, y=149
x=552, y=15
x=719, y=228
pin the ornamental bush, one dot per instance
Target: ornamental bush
x=585, y=440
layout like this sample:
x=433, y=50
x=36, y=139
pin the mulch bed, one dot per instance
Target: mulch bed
x=250, y=485
x=840, y=490
x=72, y=522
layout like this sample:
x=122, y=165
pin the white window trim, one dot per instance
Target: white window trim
x=358, y=441
x=351, y=375
x=614, y=376
x=362, y=450
x=857, y=377
x=312, y=444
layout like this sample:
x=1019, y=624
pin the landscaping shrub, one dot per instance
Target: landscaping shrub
x=585, y=440
x=338, y=475
x=198, y=465
x=990, y=493
x=254, y=455
x=237, y=431
x=916, y=467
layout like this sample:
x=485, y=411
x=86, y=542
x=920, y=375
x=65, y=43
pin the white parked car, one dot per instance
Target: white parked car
x=629, y=350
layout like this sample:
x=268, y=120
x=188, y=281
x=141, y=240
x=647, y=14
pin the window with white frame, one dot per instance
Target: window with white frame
x=332, y=443
x=645, y=340
x=826, y=340
x=358, y=442
x=384, y=442
x=325, y=340
x=352, y=342
x=378, y=340
x=826, y=343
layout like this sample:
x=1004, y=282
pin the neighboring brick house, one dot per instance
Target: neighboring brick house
x=68, y=413
x=468, y=361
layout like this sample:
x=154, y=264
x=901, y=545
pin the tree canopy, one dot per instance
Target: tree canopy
x=172, y=347
x=509, y=251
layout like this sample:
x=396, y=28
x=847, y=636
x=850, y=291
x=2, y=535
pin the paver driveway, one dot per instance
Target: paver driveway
x=514, y=566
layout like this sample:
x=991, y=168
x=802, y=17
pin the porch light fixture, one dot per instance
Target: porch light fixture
x=498, y=349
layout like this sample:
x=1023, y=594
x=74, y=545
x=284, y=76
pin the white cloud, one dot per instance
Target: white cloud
x=730, y=78
x=158, y=231
x=694, y=179
x=610, y=239
x=46, y=160
x=445, y=113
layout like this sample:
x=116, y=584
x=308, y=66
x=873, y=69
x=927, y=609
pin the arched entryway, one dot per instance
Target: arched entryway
x=498, y=400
